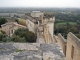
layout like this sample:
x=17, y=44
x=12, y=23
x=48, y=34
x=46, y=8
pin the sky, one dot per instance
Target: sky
x=40, y=3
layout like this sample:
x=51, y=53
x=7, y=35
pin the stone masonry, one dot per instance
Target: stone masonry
x=30, y=51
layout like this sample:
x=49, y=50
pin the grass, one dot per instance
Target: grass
x=22, y=21
x=18, y=50
x=64, y=23
x=2, y=49
x=78, y=35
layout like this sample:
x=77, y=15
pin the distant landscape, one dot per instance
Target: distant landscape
x=23, y=10
x=67, y=19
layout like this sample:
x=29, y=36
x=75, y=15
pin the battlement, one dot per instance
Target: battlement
x=49, y=20
x=70, y=47
x=73, y=47
x=62, y=42
x=62, y=38
x=74, y=38
x=36, y=14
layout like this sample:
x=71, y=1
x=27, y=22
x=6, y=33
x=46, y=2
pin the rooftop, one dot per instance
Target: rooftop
x=13, y=23
x=35, y=11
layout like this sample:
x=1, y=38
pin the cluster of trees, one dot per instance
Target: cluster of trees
x=73, y=17
x=20, y=35
x=72, y=23
x=65, y=29
x=2, y=21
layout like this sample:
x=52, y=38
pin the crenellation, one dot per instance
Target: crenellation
x=73, y=47
x=62, y=38
x=74, y=38
x=49, y=20
x=62, y=42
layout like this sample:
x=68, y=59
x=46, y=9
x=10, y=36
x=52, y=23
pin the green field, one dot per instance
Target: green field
x=22, y=21
x=64, y=23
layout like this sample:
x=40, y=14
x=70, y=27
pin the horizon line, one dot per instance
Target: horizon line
x=39, y=7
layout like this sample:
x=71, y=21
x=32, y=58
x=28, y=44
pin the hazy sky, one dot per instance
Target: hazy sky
x=40, y=3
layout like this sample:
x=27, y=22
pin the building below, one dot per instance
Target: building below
x=10, y=27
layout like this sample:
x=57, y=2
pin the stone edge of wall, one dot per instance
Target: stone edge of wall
x=74, y=38
x=54, y=39
x=62, y=38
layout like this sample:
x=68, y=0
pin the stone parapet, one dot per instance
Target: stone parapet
x=62, y=42
x=74, y=38
x=62, y=38
x=30, y=51
x=73, y=47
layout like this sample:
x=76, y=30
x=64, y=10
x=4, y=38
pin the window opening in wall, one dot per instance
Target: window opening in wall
x=72, y=52
x=65, y=50
x=12, y=31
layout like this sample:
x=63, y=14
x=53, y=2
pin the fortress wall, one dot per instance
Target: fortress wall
x=73, y=47
x=48, y=30
x=62, y=42
x=30, y=25
x=47, y=36
x=54, y=39
x=36, y=13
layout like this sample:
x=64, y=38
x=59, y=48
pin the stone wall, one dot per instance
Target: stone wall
x=49, y=29
x=73, y=47
x=50, y=25
x=30, y=51
x=30, y=25
x=70, y=47
x=54, y=39
x=36, y=14
x=62, y=42
x=47, y=36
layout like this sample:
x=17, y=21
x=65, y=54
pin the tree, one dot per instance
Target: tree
x=16, y=20
x=78, y=26
x=17, y=39
x=30, y=37
x=3, y=32
x=24, y=33
x=7, y=39
x=73, y=30
x=78, y=22
x=21, y=32
x=2, y=21
x=2, y=36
